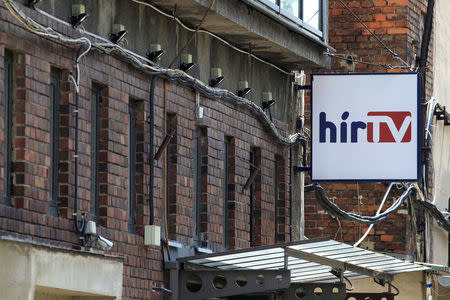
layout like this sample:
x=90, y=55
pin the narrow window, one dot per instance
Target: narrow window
x=55, y=92
x=132, y=166
x=9, y=104
x=197, y=180
x=252, y=198
x=276, y=183
x=170, y=167
x=96, y=99
x=226, y=174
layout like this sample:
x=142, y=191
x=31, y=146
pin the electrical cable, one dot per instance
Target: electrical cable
x=194, y=34
x=397, y=291
x=335, y=211
x=394, y=55
x=214, y=36
x=353, y=60
x=152, y=69
x=165, y=124
x=435, y=212
x=377, y=213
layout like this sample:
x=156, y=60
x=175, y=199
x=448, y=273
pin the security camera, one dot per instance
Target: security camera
x=104, y=243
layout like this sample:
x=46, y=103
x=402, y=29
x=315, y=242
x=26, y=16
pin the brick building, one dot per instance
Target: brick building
x=76, y=154
x=399, y=24
x=223, y=182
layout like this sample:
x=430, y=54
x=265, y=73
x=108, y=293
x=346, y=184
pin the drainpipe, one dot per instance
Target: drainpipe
x=426, y=36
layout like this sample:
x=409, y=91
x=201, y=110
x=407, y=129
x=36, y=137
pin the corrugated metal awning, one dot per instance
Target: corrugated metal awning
x=308, y=261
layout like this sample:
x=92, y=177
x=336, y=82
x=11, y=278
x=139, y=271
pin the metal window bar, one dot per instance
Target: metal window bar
x=132, y=166
x=55, y=95
x=8, y=125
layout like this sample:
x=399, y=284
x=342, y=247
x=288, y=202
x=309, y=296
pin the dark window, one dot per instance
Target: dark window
x=197, y=179
x=55, y=92
x=226, y=174
x=170, y=176
x=132, y=166
x=9, y=105
x=277, y=195
x=253, y=151
x=96, y=99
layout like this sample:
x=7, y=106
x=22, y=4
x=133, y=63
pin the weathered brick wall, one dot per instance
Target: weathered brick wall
x=396, y=22
x=28, y=217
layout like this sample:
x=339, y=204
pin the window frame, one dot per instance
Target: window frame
x=8, y=81
x=96, y=99
x=55, y=102
x=132, y=152
x=198, y=182
x=226, y=189
x=323, y=5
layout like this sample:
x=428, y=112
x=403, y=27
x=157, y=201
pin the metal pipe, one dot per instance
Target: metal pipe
x=251, y=178
x=164, y=143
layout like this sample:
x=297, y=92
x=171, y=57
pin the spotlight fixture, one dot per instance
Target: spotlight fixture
x=216, y=77
x=243, y=89
x=118, y=33
x=155, y=52
x=32, y=3
x=267, y=102
x=186, y=62
x=78, y=16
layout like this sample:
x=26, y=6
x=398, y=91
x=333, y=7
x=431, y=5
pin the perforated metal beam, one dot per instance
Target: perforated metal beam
x=203, y=284
x=316, y=291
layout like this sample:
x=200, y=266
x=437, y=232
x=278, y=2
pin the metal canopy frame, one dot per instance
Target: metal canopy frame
x=308, y=261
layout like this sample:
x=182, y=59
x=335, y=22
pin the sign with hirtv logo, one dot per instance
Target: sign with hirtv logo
x=365, y=127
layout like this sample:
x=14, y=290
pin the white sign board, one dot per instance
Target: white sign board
x=365, y=127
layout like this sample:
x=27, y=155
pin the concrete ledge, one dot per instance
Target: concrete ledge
x=29, y=269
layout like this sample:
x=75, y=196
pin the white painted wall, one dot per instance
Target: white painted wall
x=30, y=272
x=441, y=134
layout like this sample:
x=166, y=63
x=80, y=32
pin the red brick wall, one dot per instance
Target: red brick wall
x=142, y=265
x=396, y=23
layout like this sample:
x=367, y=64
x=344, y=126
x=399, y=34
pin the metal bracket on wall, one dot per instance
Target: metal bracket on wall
x=298, y=169
x=316, y=291
x=442, y=114
x=302, y=87
x=203, y=284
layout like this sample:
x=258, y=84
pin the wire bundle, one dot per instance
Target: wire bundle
x=335, y=211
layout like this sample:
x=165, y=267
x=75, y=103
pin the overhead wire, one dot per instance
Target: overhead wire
x=186, y=27
x=386, y=194
x=394, y=54
x=350, y=59
x=335, y=211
